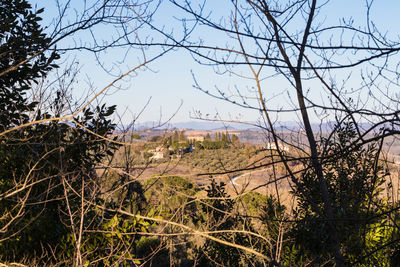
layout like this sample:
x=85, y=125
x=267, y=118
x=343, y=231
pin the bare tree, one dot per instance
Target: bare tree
x=52, y=144
x=342, y=75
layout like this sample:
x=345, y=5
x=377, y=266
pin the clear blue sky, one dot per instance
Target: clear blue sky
x=169, y=80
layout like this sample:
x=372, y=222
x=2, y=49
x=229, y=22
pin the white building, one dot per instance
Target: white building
x=272, y=146
x=195, y=138
x=157, y=155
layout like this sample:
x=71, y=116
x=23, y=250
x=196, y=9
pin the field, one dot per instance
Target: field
x=236, y=165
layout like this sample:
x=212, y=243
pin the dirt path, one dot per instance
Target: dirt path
x=234, y=180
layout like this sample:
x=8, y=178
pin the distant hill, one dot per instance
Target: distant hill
x=209, y=126
x=196, y=125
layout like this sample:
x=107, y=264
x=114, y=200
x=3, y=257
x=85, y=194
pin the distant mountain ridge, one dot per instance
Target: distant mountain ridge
x=195, y=125
x=209, y=126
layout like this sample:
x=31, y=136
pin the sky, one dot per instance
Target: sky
x=168, y=82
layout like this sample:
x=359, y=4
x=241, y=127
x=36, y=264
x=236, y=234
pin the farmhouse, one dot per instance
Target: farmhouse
x=158, y=153
x=272, y=146
x=195, y=138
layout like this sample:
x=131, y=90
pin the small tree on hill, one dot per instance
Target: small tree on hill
x=235, y=138
x=220, y=215
x=182, y=136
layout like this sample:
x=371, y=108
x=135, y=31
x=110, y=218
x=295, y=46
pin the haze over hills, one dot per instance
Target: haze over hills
x=195, y=125
x=211, y=125
x=248, y=133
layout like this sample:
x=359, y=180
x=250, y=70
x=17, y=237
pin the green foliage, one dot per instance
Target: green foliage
x=206, y=144
x=57, y=153
x=235, y=138
x=216, y=160
x=147, y=245
x=40, y=163
x=253, y=202
x=268, y=217
x=220, y=215
x=136, y=137
x=155, y=138
x=354, y=176
x=173, y=196
x=169, y=193
x=21, y=38
x=175, y=137
x=153, y=249
x=178, y=147
x=111, y=238
x=182, y=136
